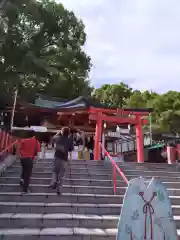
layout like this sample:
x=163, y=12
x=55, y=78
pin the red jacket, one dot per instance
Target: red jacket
x=29, y=147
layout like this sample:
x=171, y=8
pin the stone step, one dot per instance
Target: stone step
x=105, y=171
x=58, y=233
x=74, y=162
x=72, y=167
x=99, y=164
x=67, y=181
x=87, y=201
x=91, y=171
x=47, y=174
x=68, y=208
x=132, y=165
x=64, y=197
x=75, y=175
x=57, y=220
x=61, y=220
x=94, y=162
x=108, y=165
x=102, y=164
x=81, y=182
x=63, y=233
x=43, y=188
x=40, y=188
x=69, y=198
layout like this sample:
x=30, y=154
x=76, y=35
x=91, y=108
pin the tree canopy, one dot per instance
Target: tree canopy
x=114, y=95
x=166, y=107
x=41, y=50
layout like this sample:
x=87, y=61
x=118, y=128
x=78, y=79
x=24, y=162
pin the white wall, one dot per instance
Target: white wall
x=127, y=146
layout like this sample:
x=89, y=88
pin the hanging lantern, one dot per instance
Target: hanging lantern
x=105, y=125
x=117, y=128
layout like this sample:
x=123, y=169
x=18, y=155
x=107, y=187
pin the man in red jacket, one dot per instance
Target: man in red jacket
x=28, y=150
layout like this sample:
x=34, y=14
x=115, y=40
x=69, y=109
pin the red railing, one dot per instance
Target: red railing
x=7, y=144
x=116, y=169
x=5, y=140
x=9, y=149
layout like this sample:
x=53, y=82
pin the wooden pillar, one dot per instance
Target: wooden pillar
x=139, y=141
x=98, y=135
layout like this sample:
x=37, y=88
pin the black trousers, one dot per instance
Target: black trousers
x=26, y=171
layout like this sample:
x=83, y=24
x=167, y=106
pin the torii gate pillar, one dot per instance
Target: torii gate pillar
x=139, y=141
x=98, y=135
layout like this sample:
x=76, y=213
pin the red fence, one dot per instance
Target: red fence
x=7, y=144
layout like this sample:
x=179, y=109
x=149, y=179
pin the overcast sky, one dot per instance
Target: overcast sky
x=135, y=41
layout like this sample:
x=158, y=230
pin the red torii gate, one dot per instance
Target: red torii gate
x=101, y=115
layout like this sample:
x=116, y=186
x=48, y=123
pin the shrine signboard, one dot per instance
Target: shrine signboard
x=146, y=213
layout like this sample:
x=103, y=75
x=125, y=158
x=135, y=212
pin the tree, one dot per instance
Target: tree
x=113, y=95
x=169, y=121
x=166, y=107
x=140, y=99
x=136, y=100
x=41, y=50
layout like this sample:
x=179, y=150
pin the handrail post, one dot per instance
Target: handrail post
x=114, y=178
x=115, y=168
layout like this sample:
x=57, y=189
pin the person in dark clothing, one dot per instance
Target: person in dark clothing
x=64, y=144
x=90, y=146
x=71, y=138
x=28, y=149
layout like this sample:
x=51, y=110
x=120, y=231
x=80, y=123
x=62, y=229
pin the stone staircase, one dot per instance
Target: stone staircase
x=87, y=209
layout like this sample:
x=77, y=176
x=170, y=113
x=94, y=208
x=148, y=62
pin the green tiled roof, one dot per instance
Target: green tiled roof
x=159, y=145
x=47, y=103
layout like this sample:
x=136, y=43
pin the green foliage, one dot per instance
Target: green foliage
x=41, y=49
x=166, y=107
x=113, y=95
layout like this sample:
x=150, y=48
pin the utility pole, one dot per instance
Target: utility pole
x=150, y=128
x=13, y=110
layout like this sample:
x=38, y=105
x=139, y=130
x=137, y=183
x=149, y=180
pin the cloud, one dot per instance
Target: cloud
x=136, y=41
